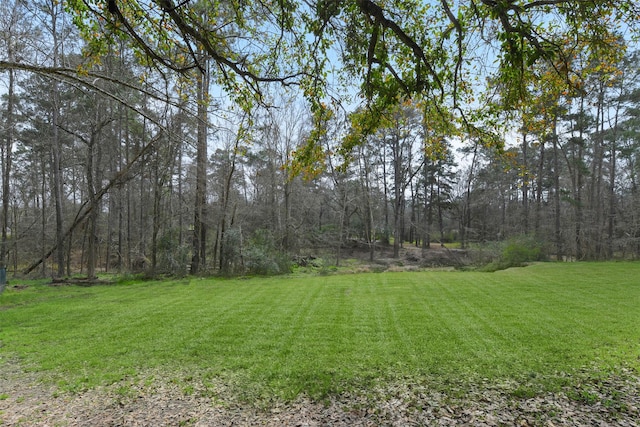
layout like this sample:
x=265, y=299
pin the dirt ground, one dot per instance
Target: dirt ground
x=25, y=400
x=410, y=257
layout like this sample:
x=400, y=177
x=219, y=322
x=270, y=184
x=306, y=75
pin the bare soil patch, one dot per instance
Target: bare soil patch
x=79, y=281
x=411, y=258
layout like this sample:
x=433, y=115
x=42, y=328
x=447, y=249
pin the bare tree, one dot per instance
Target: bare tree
x=14, y=28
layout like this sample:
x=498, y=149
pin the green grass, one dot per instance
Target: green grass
x=279, y=337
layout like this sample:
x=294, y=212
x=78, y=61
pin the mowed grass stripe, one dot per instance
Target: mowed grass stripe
x=321, y=334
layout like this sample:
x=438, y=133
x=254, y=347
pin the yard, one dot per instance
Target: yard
x=549, y=343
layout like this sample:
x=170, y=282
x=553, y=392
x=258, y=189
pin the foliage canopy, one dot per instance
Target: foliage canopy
x=391, y=49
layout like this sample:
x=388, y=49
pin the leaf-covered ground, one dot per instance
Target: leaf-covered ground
x=149, y=401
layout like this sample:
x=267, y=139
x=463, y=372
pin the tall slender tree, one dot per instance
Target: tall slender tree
x=13, y=28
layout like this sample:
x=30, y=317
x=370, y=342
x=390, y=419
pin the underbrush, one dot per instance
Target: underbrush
x=515, y=252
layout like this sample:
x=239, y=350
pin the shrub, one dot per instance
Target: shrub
x=263, y=262
x=516, y=252
x=173, y=258
x=262, y=257
x=521, y=250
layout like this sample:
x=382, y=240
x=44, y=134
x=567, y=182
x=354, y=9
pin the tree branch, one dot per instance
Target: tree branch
x=72, y=75
x=371, y=9
x=458, y=27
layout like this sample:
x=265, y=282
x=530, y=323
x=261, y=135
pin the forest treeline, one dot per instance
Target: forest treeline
x=124, y=167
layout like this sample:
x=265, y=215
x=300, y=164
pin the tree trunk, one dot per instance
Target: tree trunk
x=440, y=214
x=525, y=184
x=466, y=208
x=595, y=199
x=556, y=191
x=579, y=165
x=58, y=195
x=224, y=217
x=198, y=260
x=93, y=216
x=611, y=217
x=365, y=187
x=7, y=158
x=157, y=194
x=43, y=192
x=539, y=181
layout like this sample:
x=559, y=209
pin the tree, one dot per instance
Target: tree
x=14, y=28
x=398, y=138
x=438, y=174
x=368, y=192
x=199, y=258
x=437, y=182
x=225, y=164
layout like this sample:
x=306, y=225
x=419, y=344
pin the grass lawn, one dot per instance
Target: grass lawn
x=283, y=336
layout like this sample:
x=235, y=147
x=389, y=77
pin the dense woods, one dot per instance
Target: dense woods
x=116, y=164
